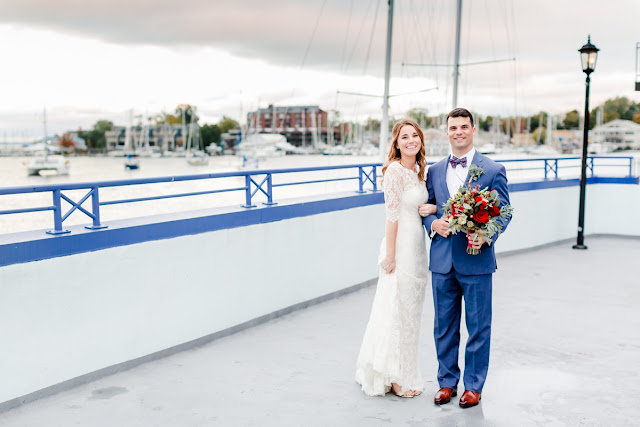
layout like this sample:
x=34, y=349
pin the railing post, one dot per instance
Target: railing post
x=360, y=180
x=374, y=172
x=630, y=166
x=95, y=210
x=556, y=168
x=590, y=164
x=57, y=215
x=546, y=167
x=247, y=189
x=269, y=201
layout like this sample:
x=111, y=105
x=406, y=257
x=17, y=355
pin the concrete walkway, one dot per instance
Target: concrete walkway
x=565, y=352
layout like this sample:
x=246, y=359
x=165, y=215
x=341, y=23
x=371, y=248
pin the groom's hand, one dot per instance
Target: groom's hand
x=441, y=226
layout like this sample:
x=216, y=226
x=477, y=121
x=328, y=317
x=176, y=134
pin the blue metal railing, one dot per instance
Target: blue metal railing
x=551, y=167
x=261, y=181
x=255, y=181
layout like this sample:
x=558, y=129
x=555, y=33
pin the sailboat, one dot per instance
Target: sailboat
x=131, y=161
x=43, y=161
x=195, y=157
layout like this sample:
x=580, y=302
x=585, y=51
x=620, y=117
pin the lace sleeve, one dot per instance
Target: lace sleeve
x=392, y=191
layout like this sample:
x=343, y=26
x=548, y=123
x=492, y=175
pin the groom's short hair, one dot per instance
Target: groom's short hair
x=460, y=112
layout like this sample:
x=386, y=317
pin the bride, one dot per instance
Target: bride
x=388, y=359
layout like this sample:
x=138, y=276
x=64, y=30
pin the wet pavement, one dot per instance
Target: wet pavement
x=565, y=352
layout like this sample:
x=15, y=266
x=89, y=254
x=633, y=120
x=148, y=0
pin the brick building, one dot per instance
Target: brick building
x=301, y=125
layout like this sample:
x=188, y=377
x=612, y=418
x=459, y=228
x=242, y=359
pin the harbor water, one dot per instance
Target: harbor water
x=13, y=173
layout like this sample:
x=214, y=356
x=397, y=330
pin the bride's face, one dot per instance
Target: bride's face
x=409, y=142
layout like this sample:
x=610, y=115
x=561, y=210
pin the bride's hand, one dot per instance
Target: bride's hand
x=388, y=265
x=427, y=209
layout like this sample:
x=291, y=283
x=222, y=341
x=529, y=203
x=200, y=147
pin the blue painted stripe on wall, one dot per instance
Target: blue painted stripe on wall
x=559, y=183
x=37, y=245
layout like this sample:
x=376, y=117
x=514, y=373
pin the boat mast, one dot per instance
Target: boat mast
x=456, y=63
x=44, y=122
x=384, y=125
x=128, y=138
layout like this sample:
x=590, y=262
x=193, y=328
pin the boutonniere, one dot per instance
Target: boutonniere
x=474, y=172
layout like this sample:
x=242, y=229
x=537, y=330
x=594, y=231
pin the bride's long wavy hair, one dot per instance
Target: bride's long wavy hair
x=394, y=151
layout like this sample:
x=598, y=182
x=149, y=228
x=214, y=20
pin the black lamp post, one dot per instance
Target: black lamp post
x=589, y=55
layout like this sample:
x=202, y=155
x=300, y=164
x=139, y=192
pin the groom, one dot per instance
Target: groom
x=456, y=274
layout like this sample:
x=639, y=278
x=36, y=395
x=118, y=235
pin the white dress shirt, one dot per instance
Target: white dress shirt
x=456, y=177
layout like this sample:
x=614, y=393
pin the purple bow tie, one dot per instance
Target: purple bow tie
x=454, y=161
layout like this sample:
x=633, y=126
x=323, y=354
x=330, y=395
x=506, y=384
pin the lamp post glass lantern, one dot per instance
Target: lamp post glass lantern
x=589, y=56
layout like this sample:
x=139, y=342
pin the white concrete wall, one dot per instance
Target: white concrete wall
x=73, y=315
x=546, y=216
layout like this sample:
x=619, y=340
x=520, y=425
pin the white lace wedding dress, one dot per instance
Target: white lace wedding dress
x=389, y=352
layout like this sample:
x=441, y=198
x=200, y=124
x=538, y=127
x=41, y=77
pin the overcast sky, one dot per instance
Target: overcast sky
x=96, y=59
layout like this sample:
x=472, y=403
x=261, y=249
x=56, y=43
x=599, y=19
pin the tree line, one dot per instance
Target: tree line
x=612, y=109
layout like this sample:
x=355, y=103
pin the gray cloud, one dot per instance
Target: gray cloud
x=543, y=35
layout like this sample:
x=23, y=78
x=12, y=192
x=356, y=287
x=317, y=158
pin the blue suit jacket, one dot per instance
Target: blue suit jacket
x=452, y=251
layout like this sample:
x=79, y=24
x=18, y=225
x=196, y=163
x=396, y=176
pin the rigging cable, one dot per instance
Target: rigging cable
x=304, y=60
x=313, y=34
x=498, y=70
x=373, y=28
x=466, y=49
x=514, y=47
x=355, y=44
x=344, y=46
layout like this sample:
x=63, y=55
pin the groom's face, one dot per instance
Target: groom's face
x=460, y=134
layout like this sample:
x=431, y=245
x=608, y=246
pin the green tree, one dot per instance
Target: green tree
x=189, y=113
x=210, y=134
x=372, y=124
x=420, y=115
x=95, y=137
x=617, y=108
x=539, y=135
x=571, y=120
x=484, y=124
x=168, y=119
x=534, y=121
x=227, y=124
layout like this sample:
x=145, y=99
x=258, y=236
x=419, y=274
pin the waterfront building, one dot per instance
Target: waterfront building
x=302, y=125
x=567, y=140
x=165, y=137
x=617, y=134
x=522, y=139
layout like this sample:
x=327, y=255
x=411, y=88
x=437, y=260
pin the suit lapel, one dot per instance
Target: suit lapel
x=443, y=182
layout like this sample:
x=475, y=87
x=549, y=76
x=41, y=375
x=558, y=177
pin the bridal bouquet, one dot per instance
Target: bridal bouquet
x=475, y=211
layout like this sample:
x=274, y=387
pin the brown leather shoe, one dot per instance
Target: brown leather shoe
x=469, y=399
x=444, y=395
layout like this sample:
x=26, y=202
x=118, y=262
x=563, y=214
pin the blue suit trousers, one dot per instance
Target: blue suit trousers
x=448, y=292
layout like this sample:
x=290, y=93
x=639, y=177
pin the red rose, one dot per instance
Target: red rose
x=494, y=211
x=482, y=216
x=479, y=199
